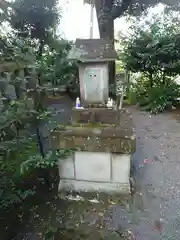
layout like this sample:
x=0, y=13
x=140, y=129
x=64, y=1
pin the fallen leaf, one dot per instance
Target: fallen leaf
x=147, y=161
x=158, y=224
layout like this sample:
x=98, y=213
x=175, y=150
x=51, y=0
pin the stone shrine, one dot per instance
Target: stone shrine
x=93, y=56
x=103, y=138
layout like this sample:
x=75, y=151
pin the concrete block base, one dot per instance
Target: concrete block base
x=95, y=172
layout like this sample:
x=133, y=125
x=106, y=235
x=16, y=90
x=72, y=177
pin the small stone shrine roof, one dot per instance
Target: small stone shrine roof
x=93, y=50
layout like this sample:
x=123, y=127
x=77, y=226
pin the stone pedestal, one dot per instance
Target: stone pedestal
x=95, y=171
x=104, y=141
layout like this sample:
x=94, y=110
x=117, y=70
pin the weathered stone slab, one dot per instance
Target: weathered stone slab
x=110, y=139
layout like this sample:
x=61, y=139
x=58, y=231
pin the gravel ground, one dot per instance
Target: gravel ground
x=157, y=163
x=152, y=213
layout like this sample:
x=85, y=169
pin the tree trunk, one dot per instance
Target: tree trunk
x=151, y=80
x=127, y=81
x=106, y=14
x=106, y=30
x=40, y=52
x=106, y=27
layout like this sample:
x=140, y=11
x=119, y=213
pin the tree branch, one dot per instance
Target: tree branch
x=118, y=10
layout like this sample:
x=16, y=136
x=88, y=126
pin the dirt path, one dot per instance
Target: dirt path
x=157, y=173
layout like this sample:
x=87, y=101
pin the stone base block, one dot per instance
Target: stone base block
x=95, y=171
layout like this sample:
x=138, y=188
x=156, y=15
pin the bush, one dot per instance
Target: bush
x=159, y=98
x=132, y=94
x=10, y=175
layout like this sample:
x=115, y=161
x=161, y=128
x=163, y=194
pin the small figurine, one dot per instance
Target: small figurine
x=78, y=103
x=112, y=102
x=109, y=103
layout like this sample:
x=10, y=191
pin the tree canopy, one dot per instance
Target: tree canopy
x=153, y=50
x=109, y=10
x=154, y=47
x=35, y=17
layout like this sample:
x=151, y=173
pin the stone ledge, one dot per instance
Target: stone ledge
x=125, y=146
x=89, y=130
x=105, y=197
x=85, y=186
x=111, y=139
x=102, y=115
